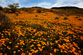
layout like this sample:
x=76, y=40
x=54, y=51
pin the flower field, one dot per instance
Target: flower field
x=42, y=35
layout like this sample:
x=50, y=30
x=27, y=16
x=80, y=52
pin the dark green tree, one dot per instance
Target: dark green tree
x=13, y=7
x=1, y=7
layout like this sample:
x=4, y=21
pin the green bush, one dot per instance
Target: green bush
x=80, y=19
x=56, y=17
x=13, y=7
x=65, y=18
x=39, y=11
x=1, y=8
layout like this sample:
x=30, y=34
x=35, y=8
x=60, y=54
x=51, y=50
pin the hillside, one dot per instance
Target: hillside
x=41, y=31
x=68, y=10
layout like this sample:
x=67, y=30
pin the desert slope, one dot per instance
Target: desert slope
x=40, y=31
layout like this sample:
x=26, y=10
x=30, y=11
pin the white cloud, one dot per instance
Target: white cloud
x=59, y=3
x=44, y=4
x=2, y=1
x=16, y=1
x=79, y=5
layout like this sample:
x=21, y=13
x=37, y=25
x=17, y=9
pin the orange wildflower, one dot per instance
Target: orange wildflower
x=23, y=54
x=81, y=37
x=69, y=32
x=55, y=50
x=16, y=46
x=1, y=53
x=75, y=44
x=30, y=53
x=79, y=51
x=14, y=51
x=65, y=51
x=38, y=45
x=36, y=51
x=51, y=54
x=70, y=51
x=40, y=49
x=18, y=50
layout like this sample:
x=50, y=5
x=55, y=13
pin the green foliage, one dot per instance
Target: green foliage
x=80, y=19
x=56, y=17
x=65, y=18
x=13, y=7
x=39, y=10
x=1, y=8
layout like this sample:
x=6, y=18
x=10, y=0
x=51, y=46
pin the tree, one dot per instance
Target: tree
x=1, y=7
x=13, y=7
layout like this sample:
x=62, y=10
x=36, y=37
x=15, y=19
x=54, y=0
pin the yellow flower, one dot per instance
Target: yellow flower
x=8, y=47
x=32, y=40
x=65, y=51
x=23, y=43
x=38, y=45
x=32, y=50
x=18, y=50
x=43, y=43
x=18, y=43
x=55, y=50
x=14, y=52
x=34, y=30
x=30, y=53
x=51, y=43
x=40, y=49
x=10, y=42
x=1, y=48
x=1, y=53
x=61, y=50
x=56, y=41
x=51, y=54
x=16, y=46
x=36, y=51
x=32, y=45
x=79, y=51
x=23, y=54
x=43, y=46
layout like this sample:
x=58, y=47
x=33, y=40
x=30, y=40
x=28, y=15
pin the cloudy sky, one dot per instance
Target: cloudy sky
x=43, y=3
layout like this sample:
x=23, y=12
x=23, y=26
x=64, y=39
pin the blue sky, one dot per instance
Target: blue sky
x=43, y=3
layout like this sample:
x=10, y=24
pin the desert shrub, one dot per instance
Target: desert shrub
x=39, y=11
x=1, y=8
x=79, y=19
x=6, y=10
x=36, y=15
x=4, y=21
x=30, y=10
x=65, y=18
x=13, y=7
x=76, y=17
x=57, y=17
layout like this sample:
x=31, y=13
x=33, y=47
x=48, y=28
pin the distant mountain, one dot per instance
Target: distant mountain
x=66, y=7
